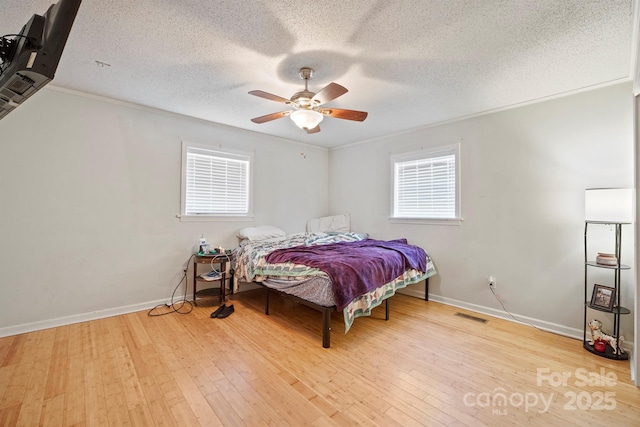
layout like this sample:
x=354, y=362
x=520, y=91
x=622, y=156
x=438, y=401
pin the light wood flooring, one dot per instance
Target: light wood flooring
x=425, y=366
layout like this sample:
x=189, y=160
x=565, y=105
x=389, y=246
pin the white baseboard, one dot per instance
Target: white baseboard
x=78, y=318
x=524, y=320
x=85, y=317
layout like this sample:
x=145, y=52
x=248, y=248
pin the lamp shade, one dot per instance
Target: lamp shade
x=306, y=119
x=609, y=205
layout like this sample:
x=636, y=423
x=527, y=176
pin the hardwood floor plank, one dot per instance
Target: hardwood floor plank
x=75, y=385
x=158, y=406
x=141, y=416
x=57, y=375
x=116, y=405
x=9, y=416
x=196, y=401
x=403, y=419
x=53, y=411
x=224, y=411
x=183, y=415
x=7, y=349
x=241, y=407
x=94, y=396
x=24, y=352
x=264, y=411
x=6, y=374
x=34, y=397
x=129, y=377
x=14, y=347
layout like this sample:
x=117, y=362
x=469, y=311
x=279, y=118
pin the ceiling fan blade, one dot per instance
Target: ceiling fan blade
x=314, y=130
x=339, y=113
x=269, y=117
x=329, y=92
x=269, y=96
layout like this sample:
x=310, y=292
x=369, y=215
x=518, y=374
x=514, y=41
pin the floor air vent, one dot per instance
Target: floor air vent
x=467, y=316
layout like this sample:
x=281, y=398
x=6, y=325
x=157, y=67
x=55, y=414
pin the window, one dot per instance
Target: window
x=425, y=184
x=215, y=184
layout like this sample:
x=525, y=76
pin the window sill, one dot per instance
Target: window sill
x=430, y=221
x=213, y=218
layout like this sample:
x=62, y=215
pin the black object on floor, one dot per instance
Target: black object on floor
x=218, y=311
x=226, y=311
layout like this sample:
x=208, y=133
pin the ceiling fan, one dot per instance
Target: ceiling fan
x=306, y=113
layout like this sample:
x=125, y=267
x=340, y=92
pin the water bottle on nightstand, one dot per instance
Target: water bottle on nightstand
x=202, y=245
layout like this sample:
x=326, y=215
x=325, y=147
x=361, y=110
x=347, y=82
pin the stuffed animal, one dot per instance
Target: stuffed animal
x=596, y=334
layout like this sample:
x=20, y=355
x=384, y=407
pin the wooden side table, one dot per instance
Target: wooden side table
x=212, y=259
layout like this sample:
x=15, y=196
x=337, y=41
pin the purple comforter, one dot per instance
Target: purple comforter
x=356, y=268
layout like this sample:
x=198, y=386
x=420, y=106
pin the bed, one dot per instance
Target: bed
x=329, y=270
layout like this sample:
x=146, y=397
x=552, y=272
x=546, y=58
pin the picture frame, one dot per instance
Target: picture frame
x=603, y=297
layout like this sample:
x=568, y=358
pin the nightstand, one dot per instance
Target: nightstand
x=216, y=262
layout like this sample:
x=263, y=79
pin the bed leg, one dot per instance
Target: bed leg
x=426, y=289
x=326, y=327
x=266, y=301
x=386, y=309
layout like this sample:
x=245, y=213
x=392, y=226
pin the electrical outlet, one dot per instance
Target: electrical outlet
x=492, y=281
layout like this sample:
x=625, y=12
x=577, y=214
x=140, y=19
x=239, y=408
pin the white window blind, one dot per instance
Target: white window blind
x=216, y=183
x=425, y=185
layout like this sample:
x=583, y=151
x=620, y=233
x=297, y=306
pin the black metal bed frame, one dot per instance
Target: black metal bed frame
x=326, y=311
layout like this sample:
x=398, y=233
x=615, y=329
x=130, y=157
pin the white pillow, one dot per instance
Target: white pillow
x=261, y=232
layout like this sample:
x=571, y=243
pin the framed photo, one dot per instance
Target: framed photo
x=603, y=297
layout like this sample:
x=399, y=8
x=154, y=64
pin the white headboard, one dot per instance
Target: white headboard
x=330, y=223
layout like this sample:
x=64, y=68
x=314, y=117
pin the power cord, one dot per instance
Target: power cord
x=176, y=307
x=213, y=261
x=493, y=291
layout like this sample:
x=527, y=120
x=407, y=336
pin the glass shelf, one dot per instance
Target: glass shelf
x=607, y=222
x=615, y=310
x=610, y=267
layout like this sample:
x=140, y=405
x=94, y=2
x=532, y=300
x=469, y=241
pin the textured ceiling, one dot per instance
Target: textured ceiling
x=409, y=63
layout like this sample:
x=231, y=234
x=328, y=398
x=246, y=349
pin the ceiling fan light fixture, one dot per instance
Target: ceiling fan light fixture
x=306, y=113
x=306, y=119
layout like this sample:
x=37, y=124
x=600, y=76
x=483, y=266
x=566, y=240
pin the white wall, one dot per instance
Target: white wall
x=524, y=172
x=89, y=193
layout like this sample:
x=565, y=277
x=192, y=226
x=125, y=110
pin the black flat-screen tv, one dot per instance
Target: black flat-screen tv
x=29, y=59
